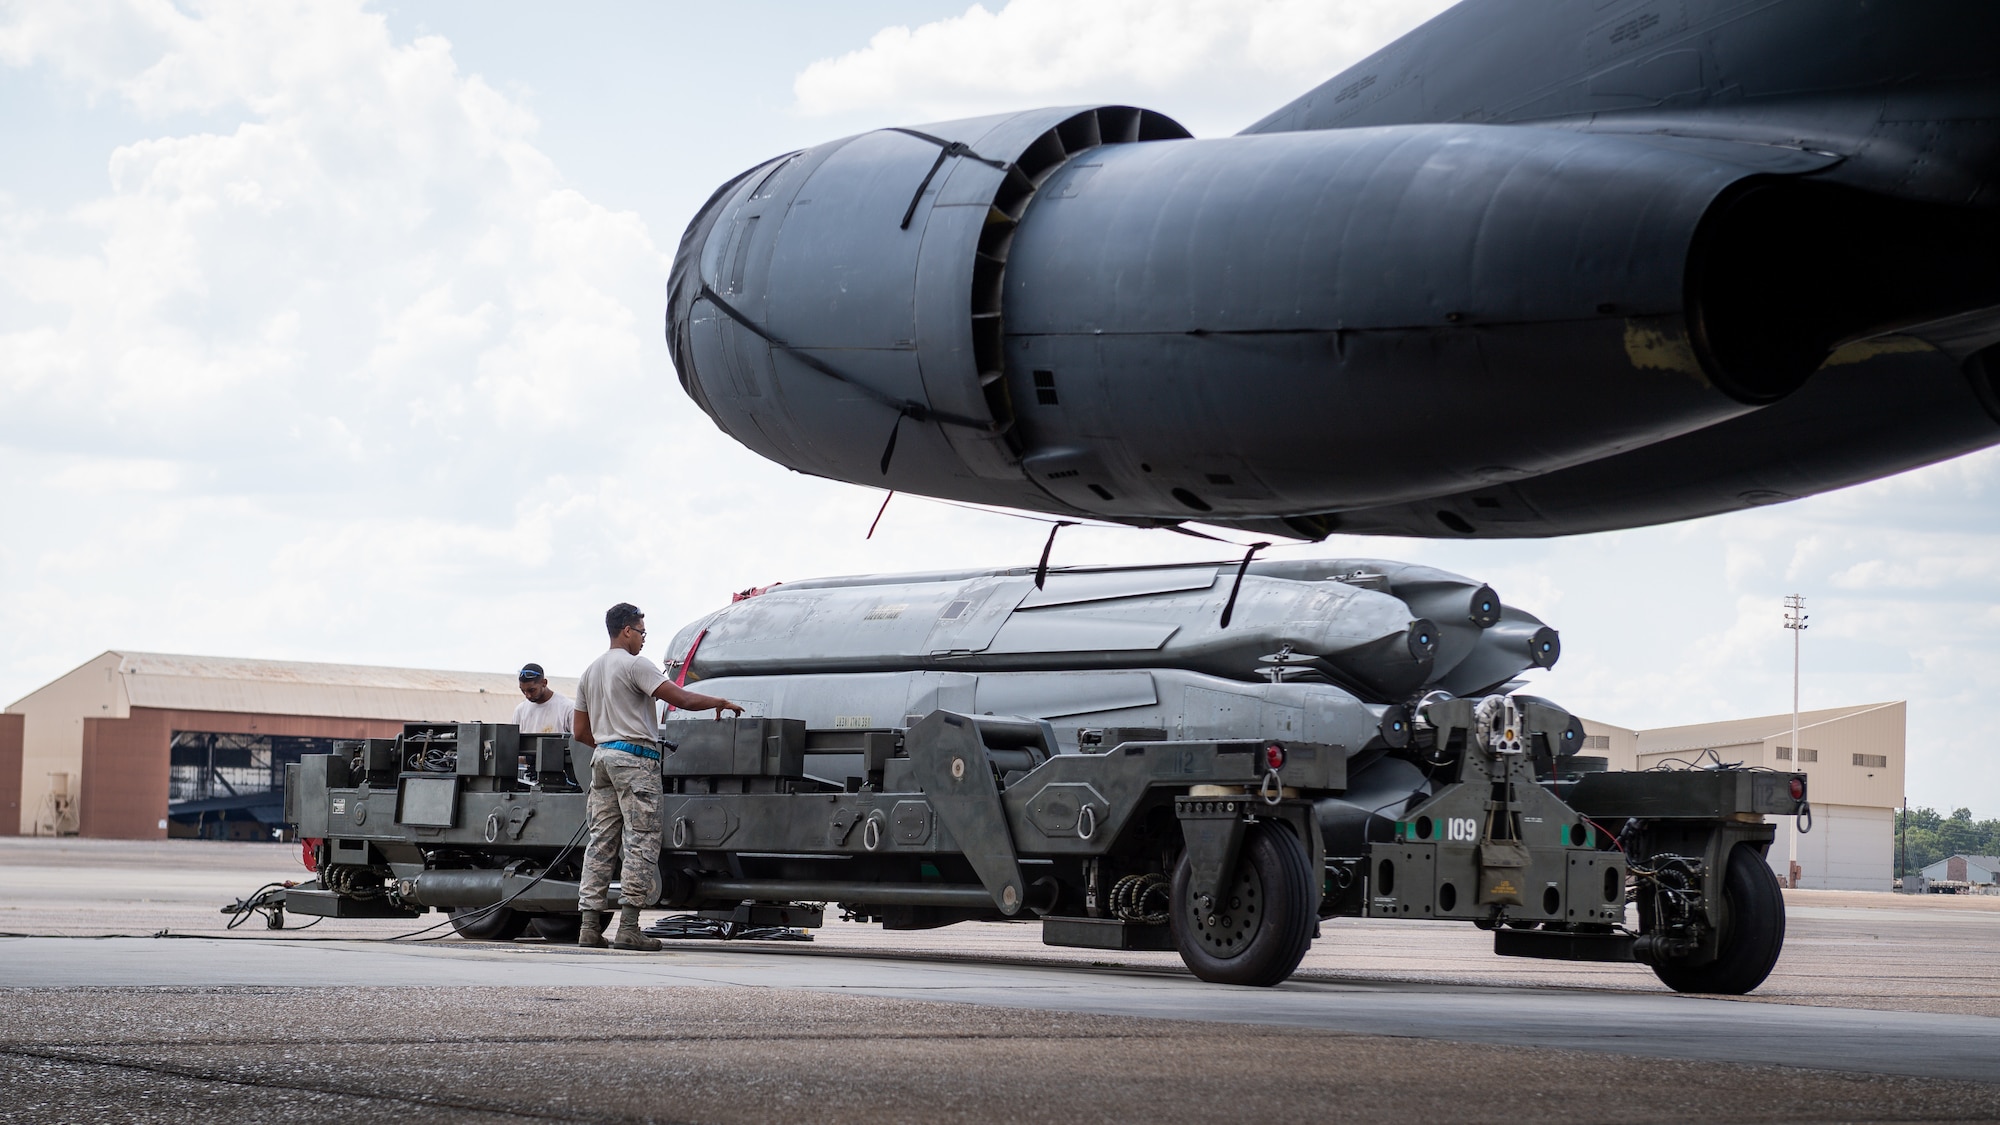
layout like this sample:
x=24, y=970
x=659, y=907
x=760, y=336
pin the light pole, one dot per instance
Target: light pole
x=1903, y=845
x=1795, y=620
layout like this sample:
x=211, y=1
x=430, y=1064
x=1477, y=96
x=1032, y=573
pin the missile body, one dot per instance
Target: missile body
x=1333, y=651
x=1380, y=631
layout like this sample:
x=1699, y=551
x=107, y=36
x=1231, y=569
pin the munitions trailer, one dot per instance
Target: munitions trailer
x=1229, y=851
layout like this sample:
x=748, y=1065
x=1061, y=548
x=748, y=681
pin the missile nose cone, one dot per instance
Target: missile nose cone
x=1485, y=608
x=1571, y=740
x=1395, y=726
x=1424, y=639
x=1545, y=648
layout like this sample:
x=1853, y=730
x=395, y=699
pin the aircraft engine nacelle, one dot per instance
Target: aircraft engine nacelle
x=838, y=310
x=1084, y=311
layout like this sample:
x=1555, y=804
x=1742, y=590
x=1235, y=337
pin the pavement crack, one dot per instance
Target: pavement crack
x=839, y=1036
x=193, y=1074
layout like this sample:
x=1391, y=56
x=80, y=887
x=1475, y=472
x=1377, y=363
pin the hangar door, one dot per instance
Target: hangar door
x=1850, y=848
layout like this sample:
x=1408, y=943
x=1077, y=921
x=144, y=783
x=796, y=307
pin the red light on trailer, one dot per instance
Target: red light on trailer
x=1798, y=789
x=1274, y=756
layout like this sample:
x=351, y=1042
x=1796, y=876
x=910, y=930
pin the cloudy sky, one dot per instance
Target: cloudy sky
x=332, y=331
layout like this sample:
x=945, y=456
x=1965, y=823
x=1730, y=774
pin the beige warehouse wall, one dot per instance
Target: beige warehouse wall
x=1736, y=732
x=1836, y=735
x=52, y=734
x=1834, y=778
x=1752, y=754
x=1619, y=746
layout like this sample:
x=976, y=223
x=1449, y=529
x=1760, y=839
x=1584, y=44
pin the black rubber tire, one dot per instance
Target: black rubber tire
x=556, y=929
x=1752, y=937
x=476, y=923
x=1273, y=884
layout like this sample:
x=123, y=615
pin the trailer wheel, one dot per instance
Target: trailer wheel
x=1751, y=938
x=1260, y=931
x=478, y=923
x=556, y=929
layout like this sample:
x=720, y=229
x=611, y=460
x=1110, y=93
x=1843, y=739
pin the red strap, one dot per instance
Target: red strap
x=681, y=680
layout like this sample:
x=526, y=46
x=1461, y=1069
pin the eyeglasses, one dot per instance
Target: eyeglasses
x=639, y=629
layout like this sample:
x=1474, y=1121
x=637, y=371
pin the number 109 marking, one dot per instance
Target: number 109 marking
x=1461, y=828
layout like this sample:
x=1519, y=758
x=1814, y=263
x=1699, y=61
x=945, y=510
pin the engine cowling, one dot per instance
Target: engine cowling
x=824, y=299
x=1084, y=311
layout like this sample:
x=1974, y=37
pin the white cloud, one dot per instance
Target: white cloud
x=1214, y=61
x=317, y=355
x=374, y=259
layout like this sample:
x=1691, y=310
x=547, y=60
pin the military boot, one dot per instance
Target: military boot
x=629, y=935
x=591, y=936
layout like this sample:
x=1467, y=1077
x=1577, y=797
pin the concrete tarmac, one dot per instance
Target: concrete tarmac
x=1938, y=953
x=1920, y=1044
x=365, y=1053
x=1865, y=1020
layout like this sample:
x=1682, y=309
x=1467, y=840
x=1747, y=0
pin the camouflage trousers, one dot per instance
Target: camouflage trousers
x=624, y=813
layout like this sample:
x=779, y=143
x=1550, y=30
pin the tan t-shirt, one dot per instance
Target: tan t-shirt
x=616, y=691
x=550, y=716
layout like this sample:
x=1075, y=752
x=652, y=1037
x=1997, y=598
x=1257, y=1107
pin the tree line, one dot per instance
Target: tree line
x=1924, y=836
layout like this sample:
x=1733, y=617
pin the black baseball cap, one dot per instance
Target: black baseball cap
x=532, y=672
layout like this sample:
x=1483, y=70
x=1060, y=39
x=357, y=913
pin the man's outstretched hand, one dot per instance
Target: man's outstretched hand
x=685, y=700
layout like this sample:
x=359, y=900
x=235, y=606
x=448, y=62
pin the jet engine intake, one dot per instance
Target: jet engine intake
x=838, y=310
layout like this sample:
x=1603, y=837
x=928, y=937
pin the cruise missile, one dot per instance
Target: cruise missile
x=1381, y=631
x=1337, y=651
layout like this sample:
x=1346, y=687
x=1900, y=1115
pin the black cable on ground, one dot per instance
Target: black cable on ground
x=244, y=908
x=482, y=911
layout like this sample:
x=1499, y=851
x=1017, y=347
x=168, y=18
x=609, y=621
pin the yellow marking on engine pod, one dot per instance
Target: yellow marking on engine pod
x=1649, y=347
x=1861, y=351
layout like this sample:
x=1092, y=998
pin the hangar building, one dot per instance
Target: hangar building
x=1978, y=870
x=1853, y=761
x=140, y=745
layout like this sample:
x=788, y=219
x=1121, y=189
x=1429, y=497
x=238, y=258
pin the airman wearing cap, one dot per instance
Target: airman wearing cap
x=545, y=710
